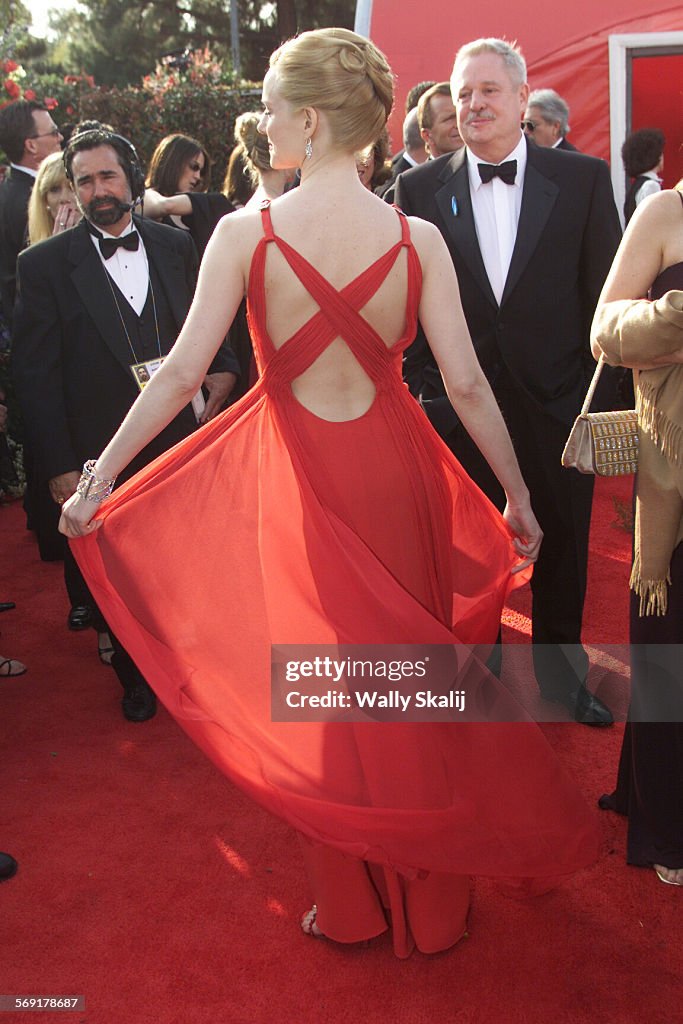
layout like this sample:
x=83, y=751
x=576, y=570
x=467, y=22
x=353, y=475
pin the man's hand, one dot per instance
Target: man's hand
x=63, y=486
x=219, y=386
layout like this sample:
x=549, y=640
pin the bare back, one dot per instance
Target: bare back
x=340, y=240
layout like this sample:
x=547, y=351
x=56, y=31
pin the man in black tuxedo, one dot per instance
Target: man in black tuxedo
x=27, y=135
x=98, y=306
x=532, y=241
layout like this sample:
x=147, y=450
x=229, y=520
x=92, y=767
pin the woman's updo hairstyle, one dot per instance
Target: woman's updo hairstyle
x=342, y=74
x=254, y=145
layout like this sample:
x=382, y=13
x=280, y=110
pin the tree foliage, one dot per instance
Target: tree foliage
x=119, y=41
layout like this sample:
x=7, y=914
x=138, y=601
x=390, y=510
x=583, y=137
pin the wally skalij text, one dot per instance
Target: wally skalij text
x=383, y=682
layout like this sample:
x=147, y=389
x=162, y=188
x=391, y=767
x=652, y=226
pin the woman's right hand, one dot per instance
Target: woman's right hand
x=78, y=517
x=68, y=216
x=528, y=534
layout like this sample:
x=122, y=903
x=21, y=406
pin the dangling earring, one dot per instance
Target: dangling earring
x=309, y=148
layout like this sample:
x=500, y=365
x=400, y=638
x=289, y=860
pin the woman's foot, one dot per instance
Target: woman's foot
x=104, y=648
x=308, y=925
x=11, y=667
x=670, y=876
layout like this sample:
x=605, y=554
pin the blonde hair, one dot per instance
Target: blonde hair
x=253, y=144
x=40, y=221
x=342, y=74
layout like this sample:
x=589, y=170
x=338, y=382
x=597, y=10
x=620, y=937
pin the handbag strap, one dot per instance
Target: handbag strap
x=592, y=386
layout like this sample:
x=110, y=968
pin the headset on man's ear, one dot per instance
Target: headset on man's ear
x=96, y=137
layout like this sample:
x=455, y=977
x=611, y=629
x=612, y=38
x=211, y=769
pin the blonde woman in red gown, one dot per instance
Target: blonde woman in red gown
x=333, y=514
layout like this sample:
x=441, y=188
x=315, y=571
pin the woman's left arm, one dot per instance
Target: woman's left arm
x=642, y=255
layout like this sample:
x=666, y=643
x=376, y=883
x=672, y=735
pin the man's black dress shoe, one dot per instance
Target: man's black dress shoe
x=139, y=703
x=7, y=606
x=8, y=866
x=80, y=617
x=585, y=707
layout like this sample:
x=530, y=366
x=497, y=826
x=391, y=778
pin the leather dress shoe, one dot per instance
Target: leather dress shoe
x=7, y=606
x=80, y=617
x=139, y=703
x=8, y=867
x=585, y=707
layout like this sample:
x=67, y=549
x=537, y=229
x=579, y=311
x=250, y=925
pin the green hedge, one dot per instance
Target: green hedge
x=206, y=112
x=191, y=103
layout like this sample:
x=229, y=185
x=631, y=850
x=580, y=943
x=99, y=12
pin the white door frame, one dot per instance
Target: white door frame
x=619, y=51
x=363, y=18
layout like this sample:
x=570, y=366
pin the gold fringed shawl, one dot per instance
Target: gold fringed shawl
x=633, y=333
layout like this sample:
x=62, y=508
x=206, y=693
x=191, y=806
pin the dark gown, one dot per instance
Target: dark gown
x=650, y=778
x=208, y=208
x=273, y=526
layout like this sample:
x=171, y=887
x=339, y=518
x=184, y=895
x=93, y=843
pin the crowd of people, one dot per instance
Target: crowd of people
x=255, y=408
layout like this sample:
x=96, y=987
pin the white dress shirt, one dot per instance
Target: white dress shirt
x=27, y=170
x=496, y=209
x=649, y=187
x=128, y=268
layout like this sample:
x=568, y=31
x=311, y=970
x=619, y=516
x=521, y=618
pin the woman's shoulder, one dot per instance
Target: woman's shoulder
x=662, y=206
x=426, y=238
x=657, y=222
x=240, y=223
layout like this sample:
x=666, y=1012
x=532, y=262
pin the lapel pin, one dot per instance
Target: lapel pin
x=454, y=206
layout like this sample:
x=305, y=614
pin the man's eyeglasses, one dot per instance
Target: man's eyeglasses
x=529, y=126
x=41, y=135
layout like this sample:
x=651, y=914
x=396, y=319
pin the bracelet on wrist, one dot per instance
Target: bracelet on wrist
x=92, y=487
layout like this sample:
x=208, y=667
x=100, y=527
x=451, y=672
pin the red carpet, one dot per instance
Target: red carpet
x=150, y=886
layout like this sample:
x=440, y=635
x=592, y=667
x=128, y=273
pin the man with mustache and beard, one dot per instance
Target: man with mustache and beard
x=532, y=233
x=98, y=307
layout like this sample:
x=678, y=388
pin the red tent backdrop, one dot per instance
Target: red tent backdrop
x=566, y=50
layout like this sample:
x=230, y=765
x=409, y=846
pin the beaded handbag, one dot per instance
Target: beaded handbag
x=605, y=443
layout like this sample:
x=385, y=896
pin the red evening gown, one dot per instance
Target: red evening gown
x=273, y=526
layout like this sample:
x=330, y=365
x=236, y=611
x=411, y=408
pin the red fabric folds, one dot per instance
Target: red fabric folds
x=272, y=526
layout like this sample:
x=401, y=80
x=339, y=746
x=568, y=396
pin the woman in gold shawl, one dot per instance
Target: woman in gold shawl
x=639, y=324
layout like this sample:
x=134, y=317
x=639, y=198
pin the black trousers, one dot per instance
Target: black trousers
x=128, y=673
x=650, y=777
x=561, y=499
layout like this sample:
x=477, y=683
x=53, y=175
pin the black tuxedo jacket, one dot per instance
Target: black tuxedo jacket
x=71, y=359
x=386, y=191
x=15, y=193
x=567, y=235
x=567, y=146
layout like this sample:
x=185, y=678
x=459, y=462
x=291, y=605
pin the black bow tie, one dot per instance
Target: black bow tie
x=507, y=172
x=108, y=246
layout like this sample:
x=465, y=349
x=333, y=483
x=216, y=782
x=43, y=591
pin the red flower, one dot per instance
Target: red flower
x=9, y=66
x=12, y=89
x=50, y=102
x=29, y=94
x=90, y=80
x=70, y=111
